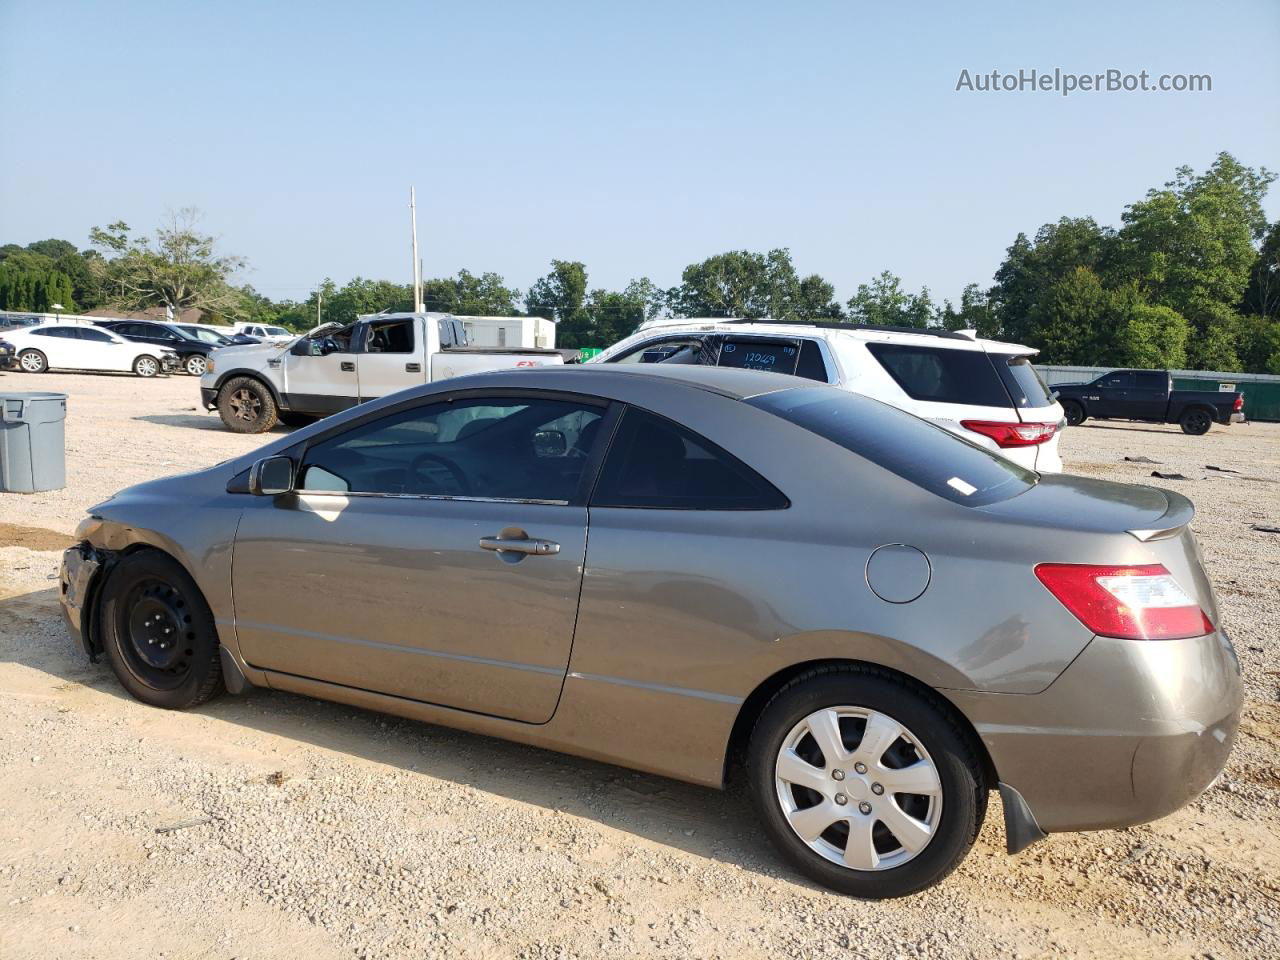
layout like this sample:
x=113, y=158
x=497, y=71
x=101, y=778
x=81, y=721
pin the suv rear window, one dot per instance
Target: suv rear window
x=942, y=376
x=1022, y=380
x=928, y=456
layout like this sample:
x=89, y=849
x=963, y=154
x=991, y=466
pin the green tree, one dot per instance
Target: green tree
x=740, y=283
x=485, y=295
x=975, y=313
x=815, y=299
x=178, y=270
x=884, y=302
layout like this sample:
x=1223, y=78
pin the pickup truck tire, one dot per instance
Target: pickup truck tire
x=247, y=406
x=158, y=632
x=1074, y=413
x=1196, y=422
x=32, y=361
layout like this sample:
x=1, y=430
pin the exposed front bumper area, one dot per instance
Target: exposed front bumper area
x=1130, y=732
x=80, y=564
x=209, y=397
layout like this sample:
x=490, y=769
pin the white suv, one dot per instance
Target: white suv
x=984, y=390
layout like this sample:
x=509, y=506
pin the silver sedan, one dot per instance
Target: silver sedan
x=722, y=576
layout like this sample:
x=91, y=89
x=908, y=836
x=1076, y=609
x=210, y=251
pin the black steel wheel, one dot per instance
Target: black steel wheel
x=1074, y=413
x=158, y=632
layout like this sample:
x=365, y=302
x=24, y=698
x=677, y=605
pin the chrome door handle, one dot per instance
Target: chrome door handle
x=536, y=548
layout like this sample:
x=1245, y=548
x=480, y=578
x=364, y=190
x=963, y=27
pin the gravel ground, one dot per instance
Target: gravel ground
x=306, y=828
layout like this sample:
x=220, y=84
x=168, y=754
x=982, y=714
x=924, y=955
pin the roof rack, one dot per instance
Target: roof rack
x=838, y=325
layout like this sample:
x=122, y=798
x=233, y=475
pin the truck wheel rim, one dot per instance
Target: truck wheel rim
x=858, y=788
x=1198, y=420
x=31, y=363
x=244, y=405
x=195, y=366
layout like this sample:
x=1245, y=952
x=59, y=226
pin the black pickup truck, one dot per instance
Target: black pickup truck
x=1147, y=395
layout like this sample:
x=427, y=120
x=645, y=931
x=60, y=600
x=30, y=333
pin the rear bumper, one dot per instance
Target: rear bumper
x=1130, y=732
x=1237, y=417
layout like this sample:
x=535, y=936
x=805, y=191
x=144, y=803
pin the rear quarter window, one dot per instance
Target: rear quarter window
x=1022, y=381
x=939, y=375
x=918, y=451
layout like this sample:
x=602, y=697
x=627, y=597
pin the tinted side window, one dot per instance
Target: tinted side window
x=515, y=448
x=395, y=336
x=659, y=464
x=918, y=451
x=942, y=376
x=1152, y=381
x=1118, y=381
x=1023, y=382
x=670, y=350
x=96, y=335
x=811, y=366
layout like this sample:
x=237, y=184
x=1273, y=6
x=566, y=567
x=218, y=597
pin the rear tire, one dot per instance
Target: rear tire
x=1196, y=422
x=32, y=361
x=146, y=367
x=247, y=406
x=914, y=741
x=158, y=632
x=1074, y=413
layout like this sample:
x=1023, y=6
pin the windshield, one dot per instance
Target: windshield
x=916, y=450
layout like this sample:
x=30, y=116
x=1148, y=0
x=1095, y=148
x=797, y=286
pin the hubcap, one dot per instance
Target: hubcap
x=843, y=754
x=244, y=405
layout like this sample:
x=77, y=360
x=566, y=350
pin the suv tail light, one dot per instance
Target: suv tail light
x=1132, y=603
x=1239, y=404
x=1012, y=434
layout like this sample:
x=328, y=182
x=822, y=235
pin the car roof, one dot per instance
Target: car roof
x=737, y=384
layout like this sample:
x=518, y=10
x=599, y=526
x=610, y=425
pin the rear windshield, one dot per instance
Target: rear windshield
x=914, y=449
x=1022, y=381
x=940, y=375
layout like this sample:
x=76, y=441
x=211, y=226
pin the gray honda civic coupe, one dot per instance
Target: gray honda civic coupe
x=729, y=577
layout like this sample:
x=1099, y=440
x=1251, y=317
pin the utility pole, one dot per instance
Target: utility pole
x=319, y=300
x=417, y=264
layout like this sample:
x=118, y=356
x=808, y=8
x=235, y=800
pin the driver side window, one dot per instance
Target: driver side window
x=506, y=448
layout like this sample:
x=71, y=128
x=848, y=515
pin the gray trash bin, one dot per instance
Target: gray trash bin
x=32, y=442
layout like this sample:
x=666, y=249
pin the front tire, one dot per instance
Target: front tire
x=864, y=783
x=1074, y=413
x=158, y=632
x=1195, y=422
x=32, y=361
x=247, y=406
x=146, y=367
x=196, y=364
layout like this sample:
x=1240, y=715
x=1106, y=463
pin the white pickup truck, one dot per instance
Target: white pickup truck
x=335, y=367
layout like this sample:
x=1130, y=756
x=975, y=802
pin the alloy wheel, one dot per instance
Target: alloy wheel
x=245, y=405
x=31, y=362
x=858, y=788
x=196, y=366
x=146, y=367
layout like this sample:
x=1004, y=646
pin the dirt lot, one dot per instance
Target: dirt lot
x=309, y=829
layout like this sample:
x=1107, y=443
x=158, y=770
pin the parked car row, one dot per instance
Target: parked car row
x=145, y=347
x=719, y=575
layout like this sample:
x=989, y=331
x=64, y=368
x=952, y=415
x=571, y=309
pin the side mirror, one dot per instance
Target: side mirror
x=271, y=476
x=549, y=443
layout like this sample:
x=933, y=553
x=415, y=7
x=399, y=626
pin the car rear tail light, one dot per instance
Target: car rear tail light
x=1012, y=434
x=1132, y=603
x=1239, y=404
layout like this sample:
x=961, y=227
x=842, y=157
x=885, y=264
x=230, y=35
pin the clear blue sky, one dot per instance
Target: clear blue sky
x=635, y=137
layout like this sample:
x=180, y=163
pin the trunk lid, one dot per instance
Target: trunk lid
x=1095, y=506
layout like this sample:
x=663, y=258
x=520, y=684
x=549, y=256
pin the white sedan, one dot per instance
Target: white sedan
x=82, y=347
